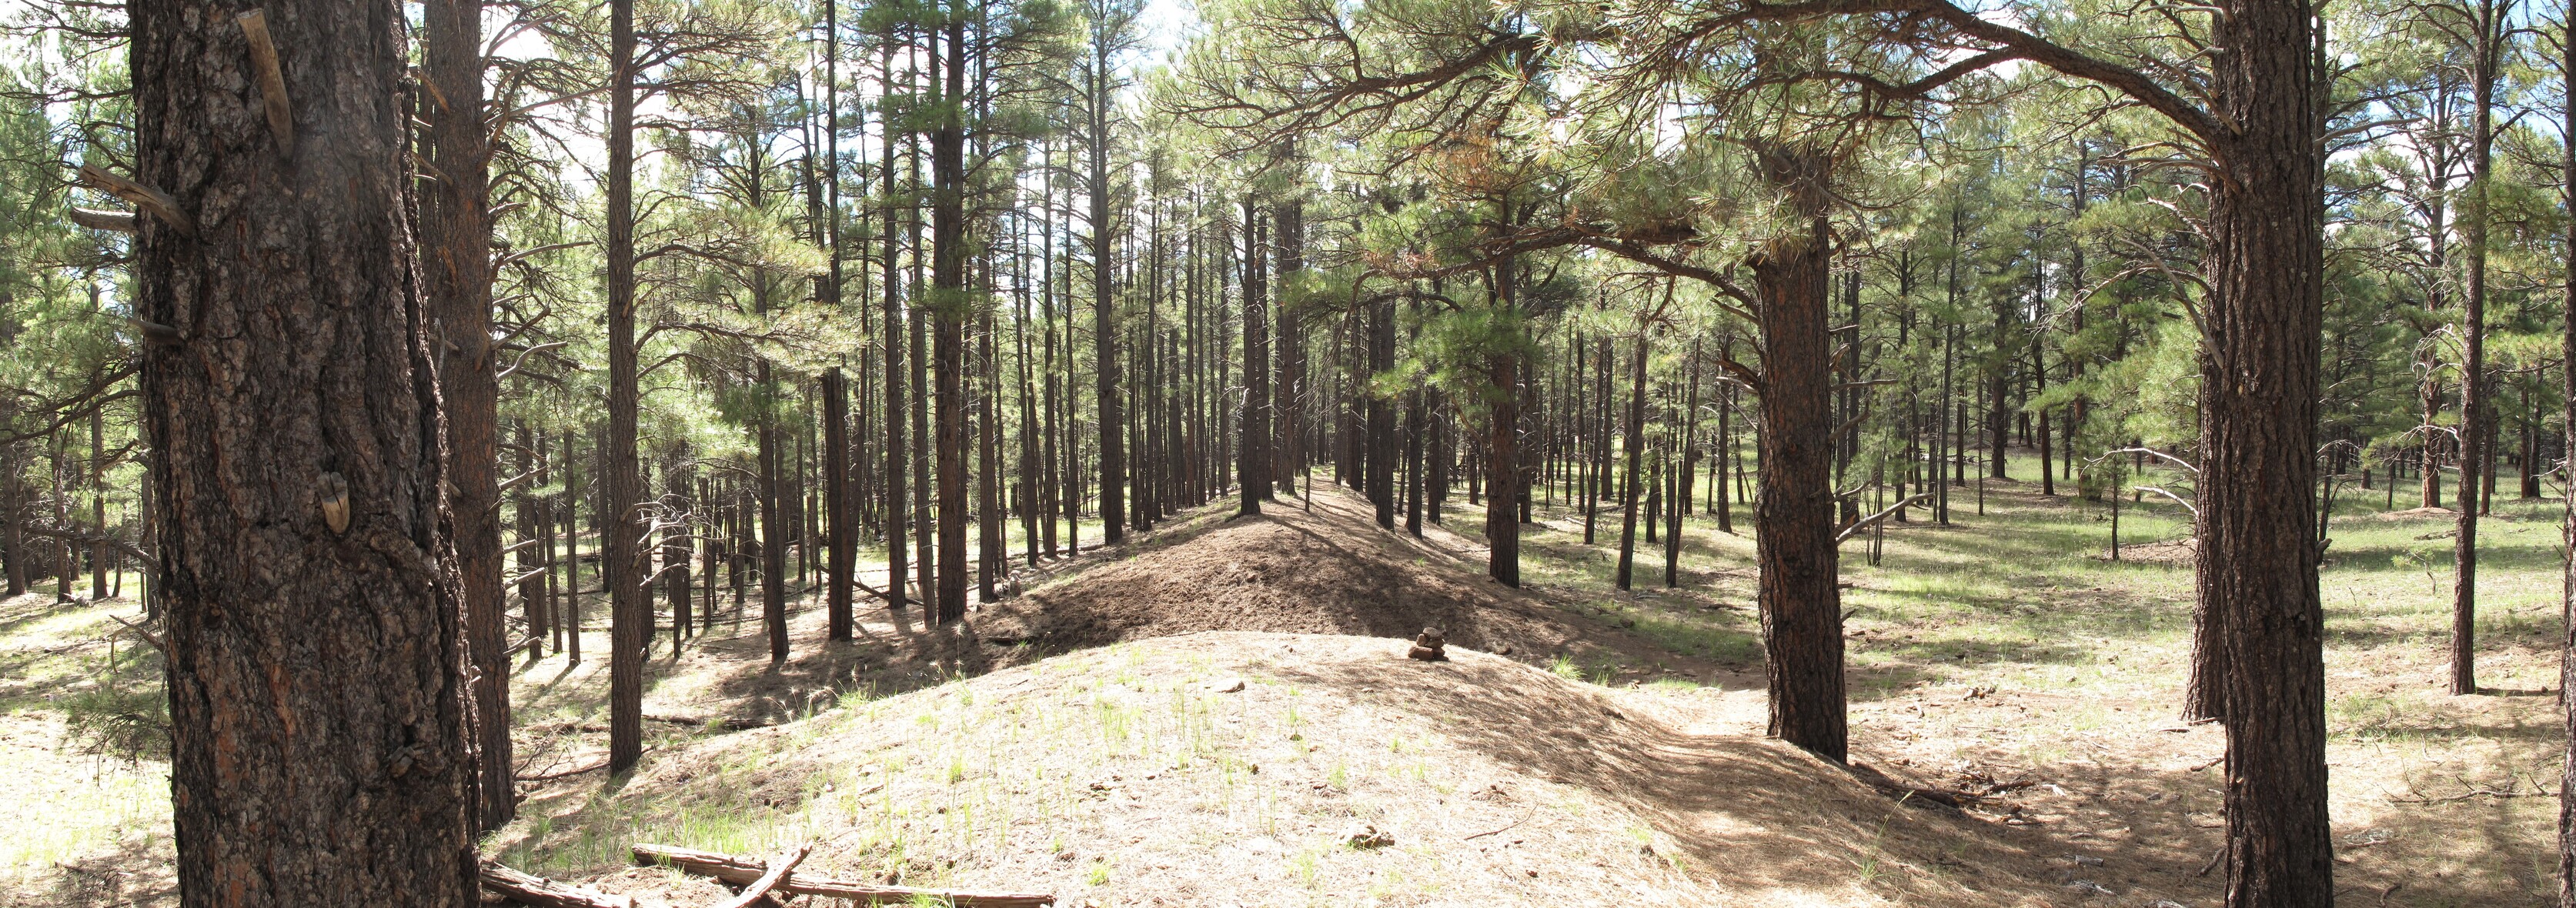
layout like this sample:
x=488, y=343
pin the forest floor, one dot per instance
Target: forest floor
x=1085, y=740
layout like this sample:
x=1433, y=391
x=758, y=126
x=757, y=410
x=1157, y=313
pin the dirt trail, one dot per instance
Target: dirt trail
x=1233, y=768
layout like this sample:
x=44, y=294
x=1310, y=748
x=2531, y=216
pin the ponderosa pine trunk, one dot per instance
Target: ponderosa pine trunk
x=1689, y=472
x=836, y=505
x=1252, y=470
x=2259, y=378
x=897, y=502
x=1502, y=470
x=1380, y=468
x=2476, y=413
x=2567, y=522
x=456, y=273
x=677, y=546
x=1104, y=321
x=948, y=306
x=1802, y=619
x=1289, y=438
x=317, y=673
x=621, y=554
x=1633, y=439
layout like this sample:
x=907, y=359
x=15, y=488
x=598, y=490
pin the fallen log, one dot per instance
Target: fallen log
x=742, y=871
x=540, y=892
x=759, y=889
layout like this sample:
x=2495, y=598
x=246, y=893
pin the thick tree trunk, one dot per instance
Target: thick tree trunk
x=13, y=486
x=836, y=504
x=949, y=307
x=317, y=673
x=1502, y=470
x=1104, y=321
x=1802, y=619
x=897, y=503
x=2258, y=553
x=2567, y=514
x=774, y=529
x=456, y=272
x=2476, y=428
x=621, y=554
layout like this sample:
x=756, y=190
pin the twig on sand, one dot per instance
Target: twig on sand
x=1526, y=814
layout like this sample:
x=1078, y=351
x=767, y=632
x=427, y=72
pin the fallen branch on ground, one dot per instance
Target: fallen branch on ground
x=1902, y=792
x=1526, y=814
x=745, y=871
x=544, y=893
x=779, y=868
x=725, y=723
x=569, y=773
x=2475, y=793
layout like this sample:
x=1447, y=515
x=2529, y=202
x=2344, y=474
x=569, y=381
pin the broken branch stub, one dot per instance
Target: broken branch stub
x=158, y=203
x=272, y=80
x=333, y=491
x=102, y=219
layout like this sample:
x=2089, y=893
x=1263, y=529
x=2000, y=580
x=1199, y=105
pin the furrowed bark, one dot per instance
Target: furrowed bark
x=621, y=561
x=456, y=235
x=1802, y=625
x=317, y=678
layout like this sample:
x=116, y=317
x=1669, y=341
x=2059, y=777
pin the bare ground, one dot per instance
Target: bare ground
x=1076, y=741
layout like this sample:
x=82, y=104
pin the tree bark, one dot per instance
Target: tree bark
x=1253, y=461
x=2475, y=427
x=456, y=232
x=1104, y=322
x=2258, y=553
x=949, y=307
x=897, y=503
x=621, y=554
x=1802, y=619
x=1634, y=440
x=317, y=672
x=1380, y=413
x=836, y=504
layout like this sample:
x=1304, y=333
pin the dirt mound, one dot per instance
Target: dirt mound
x=1273, y=769
x=1324, y=570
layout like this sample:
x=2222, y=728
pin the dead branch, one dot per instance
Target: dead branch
x=102, y=219
x=85, y=538
x=528, y=889
x=759, y=889
x=272, y=80
x=1864, y=523
x=2194, y=509
x=148, y=636
x=2151, y=452
x=1525, y=815
x=159, y=203
x=744, y=871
